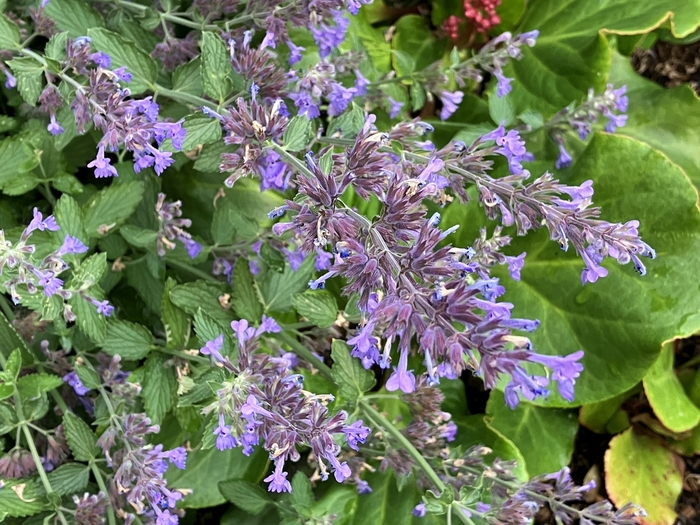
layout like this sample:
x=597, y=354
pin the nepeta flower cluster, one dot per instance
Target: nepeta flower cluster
x=25, y=275
x=264, y=401
x=171, y=228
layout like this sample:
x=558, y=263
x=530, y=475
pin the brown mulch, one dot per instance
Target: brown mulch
x=670, y=64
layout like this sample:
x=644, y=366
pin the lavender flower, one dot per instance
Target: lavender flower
x=172, y=228
x=450, y=103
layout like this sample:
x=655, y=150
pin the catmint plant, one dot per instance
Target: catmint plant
x=255, y=253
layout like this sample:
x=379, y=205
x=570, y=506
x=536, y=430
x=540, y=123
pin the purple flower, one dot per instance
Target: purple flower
x=71, y=245
x=165, y=518
x=356, y=434
x=268, y=41
x=212, y=348
x=122, y=74
x=511, y=146
x=339, y=99
x=193, y=247
x=267, y=326
x=363, y=487
x=394, y=107
x=73, y=380
x=178, y=457
x=278, y=479
x=614, y=121
x=402, y=378
x=419, y=510
x=621, y=100
x=10, y=80
x=294, y=52
x=306, y=104
x=515, y=264
x=54, y=127
x=101, y=59
x=41, y=224
x=503, y=86
x=103, y=307
x=224, y=439
x=328, y=37
x=323, y=260
x=450, y=432
x=102, y=165
x=529, y=38
x=243, y=331
x=273, y=172
x=528, y=385
x=48, y=281
x=565, y=370
x=564, y=160
x=450, y=103
x=361, y=84
x=365, y=346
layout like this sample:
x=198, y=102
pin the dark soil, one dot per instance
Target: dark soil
x=670, y=64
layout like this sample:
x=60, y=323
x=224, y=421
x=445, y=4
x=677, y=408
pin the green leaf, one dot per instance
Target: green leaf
x=81, y=439
x=88, y=320
x=302, y=497
x=571, y=55
x=666, y=395
x=501, y=110
x=175, y=319
x=10, y=339
x=352, y=379
x=192, y=296
x=9, y=33
x=90, y=271
x=124, y=53
x=206, y=328
x=70, y=217
x=404, y=63
x=297, y=134
x=200, y=130
x=30, y=75
x=544, y=436
x=129, y=340
x=244, y=298
x=596, y=416
x=640, y=469
x=666, y=119
x=207, y=468
x=73, y=16
x=30, y=502
x=159, y=391
x=218, y=76
x=187, y=78
x=12, y=158
x=140, y=237
x=149, y=287
x=276, y=289
x=621, y=321
x=476, y=430
x=318, y=306
x=87, y=374
x=33, y=385
x=69, y=479
x=110, y=207
x=414, y=38
x=349, y=124
x=245, y=495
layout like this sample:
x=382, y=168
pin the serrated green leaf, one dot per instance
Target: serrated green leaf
x=31, y=501
x=124, y=53
x=244, y=298
x=352, y=379
x=69, y=479
x=159, y=391
x=349, y=124
x=73, y=16
x=501, y=110
x=418, y=96
x=12, y=157
x=640, y=469
x=217, y=72
x=200, y=130
x=544, y=436
x=33, y=385
x=666, y=395
x=140, y=237
x=297, y=134
x=302, y=497
x=91, y=270
x=110, y=207
x=129, y=340
x=174, y=319
x=87, y=374
x=404, y=63
x=273, y=258
x=210, y=158
x=222, y=228
x=81, y=439
x=30, y=76
x=10, y=341
x=70, y=217
x=206, y=327
x=88, y=320
x=277, y=289
x=148, y=286
x=187, y=78
x=414, y=38
x=207, y=468
x=192, y=296
x=318, y=306
x=9, y=33
x=245, y=495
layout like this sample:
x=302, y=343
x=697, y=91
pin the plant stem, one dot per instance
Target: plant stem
x=381, y=422
x=182, y=355
x=292, y=160
x=305, y=353
x=191, y=269
x=187, y=98
x=101, y=484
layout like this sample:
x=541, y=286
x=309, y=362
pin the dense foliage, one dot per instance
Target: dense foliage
x=252, y=252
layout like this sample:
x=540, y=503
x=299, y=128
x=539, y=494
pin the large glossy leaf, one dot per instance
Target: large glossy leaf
x=666, y=395
x=667, y=119
x=206, y=468
x=640, y=469
x=620, y=321
x=544, y=436
x=571, y=54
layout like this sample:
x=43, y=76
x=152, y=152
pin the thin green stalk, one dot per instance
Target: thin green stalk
x=191, y=269
x=182, y=355
x=381, y=422
x=291, y=159
x=101, y=484
x=305, y=353
x=187, y=98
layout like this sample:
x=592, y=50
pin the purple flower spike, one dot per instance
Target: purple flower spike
x=402, y=378
x=294, y=52
x=503, y=86
x=278, y=479
x=73, y=380
x=565, y=370
x=450, y=103
x=515, y=264
x=54, y=127
x=224, y=439
x=72, y=245
x=102, y=165
x=356, y=434
x=178, y=457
